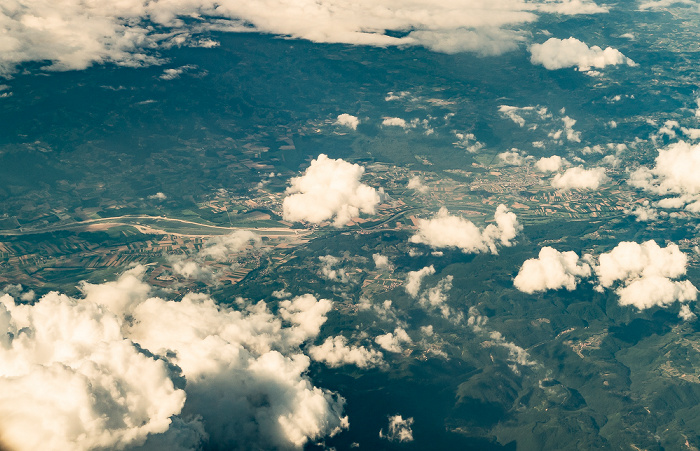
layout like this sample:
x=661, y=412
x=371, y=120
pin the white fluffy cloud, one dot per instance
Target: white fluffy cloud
x=645, y=272
x=382, y=262
x=629, y=260
x=335, y=352
x=550, y=164
x=446, y=230
x=393, y=341
x=73, y=34
x=399, y=430
x=551, y=270
x=561, y=53
x=73, y=374
x=414, y=279
x=329, y=190
x=580, y=178
x=676, y=171
x=642, y=274
x=348, y=120
x=512, y=157
x=395, y=122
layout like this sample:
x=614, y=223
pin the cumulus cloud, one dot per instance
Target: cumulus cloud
x=382, y=262
x=551, y=270
x=118, y=367
x=158, y=196
x=652, y=291
x=512, y=157
x=644, y=273
x=550, y=164
x=562, y=53
x=414, y=279
x=641, y=274
x=676, y=171
x=335, y=352
x=75, y=34
x=393, y=341
x=580, y=178
x=630, y=260
x=399, y=430
x=445, y=231
x=329, y=190
x=347, y=120
x=395, y=122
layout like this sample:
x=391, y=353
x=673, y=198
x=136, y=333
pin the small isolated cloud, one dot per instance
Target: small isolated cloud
x=562, y=53
x=468, y=142
x=550, y=164
x=436, y=297
x=447, y=231
x=395, y=122
x=393, y=341
x=414, y=279
x=512, y=158
x=580, y=178
x=347, y=120
x=329, y=190
x=382, y=262
x=173, y=73
x=571, y=134
x=644, y=213
x=551, y=270
x=415, y=183
x=514, y=113
x=329, y=270
x=158, y=196
x=399, y=430
x=335, y=352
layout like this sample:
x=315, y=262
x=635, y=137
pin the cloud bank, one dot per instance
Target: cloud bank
x=329, y=190
x=448, y=231
x=121, y=368
x=562, y=53
x=74, y=34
